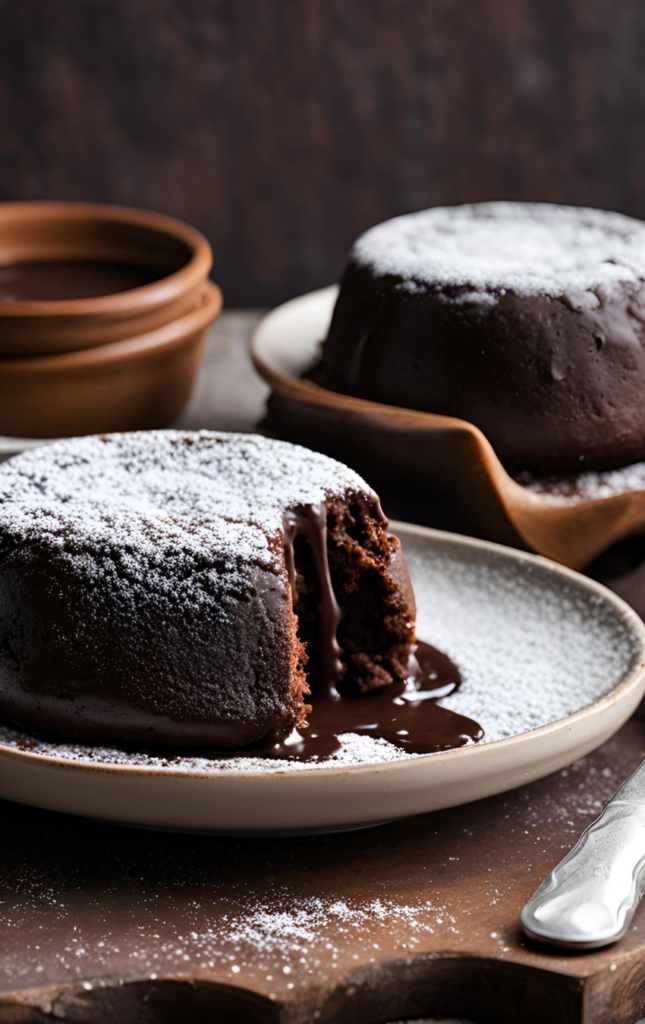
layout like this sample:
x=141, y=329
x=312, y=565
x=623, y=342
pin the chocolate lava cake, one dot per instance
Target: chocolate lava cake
x=527, y=320
x=190, y=589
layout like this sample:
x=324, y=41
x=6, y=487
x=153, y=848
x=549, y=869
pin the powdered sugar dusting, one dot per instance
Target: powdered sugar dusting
x=164, y=509
x=572, y=490
x=531, y=649
x=529, y=248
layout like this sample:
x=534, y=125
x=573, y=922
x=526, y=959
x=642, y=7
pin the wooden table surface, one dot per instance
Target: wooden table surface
x=417, y=918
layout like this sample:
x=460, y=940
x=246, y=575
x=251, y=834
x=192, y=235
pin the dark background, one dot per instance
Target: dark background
x=283, y=128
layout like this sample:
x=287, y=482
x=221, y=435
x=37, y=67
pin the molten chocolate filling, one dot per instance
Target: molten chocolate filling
x=405, y=714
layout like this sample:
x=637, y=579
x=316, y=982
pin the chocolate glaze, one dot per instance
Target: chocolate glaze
x=554, y=386
x=83, y=279
x=311, y=521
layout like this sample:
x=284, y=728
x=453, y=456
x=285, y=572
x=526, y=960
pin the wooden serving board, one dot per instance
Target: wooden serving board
x=418, y=918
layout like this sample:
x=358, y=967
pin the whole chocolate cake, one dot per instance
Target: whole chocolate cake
x=527, y=320
x=186, y=588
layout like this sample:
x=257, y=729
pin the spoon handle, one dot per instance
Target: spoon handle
x=589, y=899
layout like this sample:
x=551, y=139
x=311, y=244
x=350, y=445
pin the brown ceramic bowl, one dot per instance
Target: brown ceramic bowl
x=134, y=384
x=177, y=256
x=125, y=360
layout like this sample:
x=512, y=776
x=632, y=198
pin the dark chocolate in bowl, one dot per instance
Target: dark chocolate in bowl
x=70, y=279
x=78, y=275
x=103, y=317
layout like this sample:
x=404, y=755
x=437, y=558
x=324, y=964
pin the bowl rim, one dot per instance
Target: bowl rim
x=156, y=293
x=175, y=330
x=629, y=683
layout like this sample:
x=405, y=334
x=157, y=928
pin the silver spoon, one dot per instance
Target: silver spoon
x=589, y=899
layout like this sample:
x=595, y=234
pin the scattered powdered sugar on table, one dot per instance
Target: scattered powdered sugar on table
x=109, y=906
x=280, y=931
x=529, y=248
x=531, y=648
x=277, y=939
x=572, y=490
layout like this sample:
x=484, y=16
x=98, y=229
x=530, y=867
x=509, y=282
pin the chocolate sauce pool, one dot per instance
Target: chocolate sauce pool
x=404, y=714
x=83, y=279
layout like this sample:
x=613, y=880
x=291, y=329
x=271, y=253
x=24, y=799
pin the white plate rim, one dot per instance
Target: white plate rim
x=321, y=299
x=627, y=686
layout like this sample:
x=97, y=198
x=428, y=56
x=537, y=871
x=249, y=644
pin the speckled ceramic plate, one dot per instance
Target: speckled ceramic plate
x=552, y=665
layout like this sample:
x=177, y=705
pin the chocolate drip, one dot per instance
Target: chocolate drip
x=406, y=714
x=311, y=522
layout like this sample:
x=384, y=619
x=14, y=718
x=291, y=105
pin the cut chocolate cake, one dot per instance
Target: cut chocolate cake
x=192, y=589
